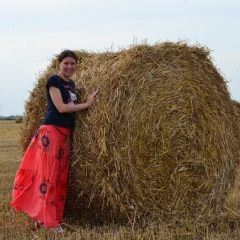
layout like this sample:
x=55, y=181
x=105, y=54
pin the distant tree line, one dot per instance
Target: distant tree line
x=11, y=117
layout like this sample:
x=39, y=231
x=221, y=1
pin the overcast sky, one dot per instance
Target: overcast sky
x=33, y=31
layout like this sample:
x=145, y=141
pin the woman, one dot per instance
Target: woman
x=41, y=181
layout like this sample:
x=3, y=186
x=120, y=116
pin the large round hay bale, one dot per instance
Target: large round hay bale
x=159, y=142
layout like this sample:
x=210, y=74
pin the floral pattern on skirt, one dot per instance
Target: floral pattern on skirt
x=40, y=185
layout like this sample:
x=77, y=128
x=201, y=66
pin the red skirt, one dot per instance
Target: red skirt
x=40, y=185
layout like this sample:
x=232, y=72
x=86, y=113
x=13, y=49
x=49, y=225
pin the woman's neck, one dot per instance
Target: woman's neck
x=67, y=79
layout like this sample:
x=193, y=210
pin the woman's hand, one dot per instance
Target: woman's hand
x=66, y=108
x=91, y=97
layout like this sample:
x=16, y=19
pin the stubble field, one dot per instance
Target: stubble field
x=18, y=225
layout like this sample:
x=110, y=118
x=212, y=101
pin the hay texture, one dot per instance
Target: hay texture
x=236, y=107
x=161, y=140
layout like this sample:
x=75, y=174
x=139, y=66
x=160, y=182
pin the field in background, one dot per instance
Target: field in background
x=19, y=226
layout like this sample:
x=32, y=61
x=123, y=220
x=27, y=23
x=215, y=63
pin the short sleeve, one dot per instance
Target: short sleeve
x=53, y=81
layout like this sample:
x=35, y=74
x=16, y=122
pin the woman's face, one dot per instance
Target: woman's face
x=67, y=66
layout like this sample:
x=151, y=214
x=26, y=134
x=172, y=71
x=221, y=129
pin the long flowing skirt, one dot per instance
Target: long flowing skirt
x=41, y=182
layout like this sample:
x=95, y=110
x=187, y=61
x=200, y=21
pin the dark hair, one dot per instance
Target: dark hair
x=67, y=53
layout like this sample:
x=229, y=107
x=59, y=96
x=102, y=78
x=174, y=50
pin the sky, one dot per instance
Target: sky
x=34, y=31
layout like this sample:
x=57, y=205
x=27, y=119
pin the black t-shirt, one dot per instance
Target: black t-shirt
x=53, y=116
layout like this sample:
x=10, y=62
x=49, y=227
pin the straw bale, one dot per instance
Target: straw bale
x=232, y=203
x=160, y=141
x=18, y=120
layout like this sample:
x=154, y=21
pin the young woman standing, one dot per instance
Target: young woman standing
x=41, y=182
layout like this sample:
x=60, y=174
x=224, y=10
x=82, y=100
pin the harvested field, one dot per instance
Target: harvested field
x=18, y=226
